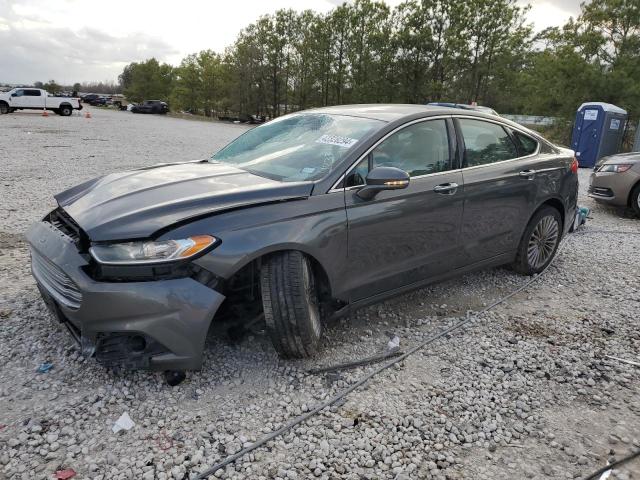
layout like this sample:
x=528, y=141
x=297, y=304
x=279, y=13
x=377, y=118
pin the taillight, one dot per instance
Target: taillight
x=574, y=165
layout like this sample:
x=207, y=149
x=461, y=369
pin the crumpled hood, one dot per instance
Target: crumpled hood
x=137, y=203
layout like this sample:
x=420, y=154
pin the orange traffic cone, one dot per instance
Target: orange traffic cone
x=45, y=113
x=87, y=115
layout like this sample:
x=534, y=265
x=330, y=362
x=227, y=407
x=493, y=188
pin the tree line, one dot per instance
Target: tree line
x=420, y=51
x=54, y=87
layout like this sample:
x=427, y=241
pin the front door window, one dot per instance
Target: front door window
x=419, y=149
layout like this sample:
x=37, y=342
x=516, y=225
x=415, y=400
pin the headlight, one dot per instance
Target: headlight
x=615, y=167
x=151, y=252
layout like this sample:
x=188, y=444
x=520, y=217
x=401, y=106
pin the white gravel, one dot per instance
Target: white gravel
x=524, y=392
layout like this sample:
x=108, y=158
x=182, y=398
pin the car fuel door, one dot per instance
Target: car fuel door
x=402, y=236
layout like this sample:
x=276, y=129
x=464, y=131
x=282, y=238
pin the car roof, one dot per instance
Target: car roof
x=387, y=112
x=390, y=112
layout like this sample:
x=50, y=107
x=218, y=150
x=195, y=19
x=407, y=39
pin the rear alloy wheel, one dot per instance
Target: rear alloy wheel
x=65, y=110
x=539, y=242
x=4, y=108
x=290, y=302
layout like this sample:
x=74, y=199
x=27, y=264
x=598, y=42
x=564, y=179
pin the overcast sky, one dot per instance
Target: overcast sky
x=85, y=40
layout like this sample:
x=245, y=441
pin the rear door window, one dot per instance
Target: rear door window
x=528, y=145
x=32, y=93
x=485, y=143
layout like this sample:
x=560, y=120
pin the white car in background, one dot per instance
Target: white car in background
x=37, y=99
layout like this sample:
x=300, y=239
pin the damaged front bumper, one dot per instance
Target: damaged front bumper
x=156, y=325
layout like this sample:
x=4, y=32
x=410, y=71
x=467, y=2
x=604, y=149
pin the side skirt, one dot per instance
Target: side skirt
x=496, y=261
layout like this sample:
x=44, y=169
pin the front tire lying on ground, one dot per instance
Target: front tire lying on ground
x=540, y=241
x=4, y=108
x=290, y=302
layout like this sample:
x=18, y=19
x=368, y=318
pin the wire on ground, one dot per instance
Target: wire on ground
x=357, y=363
x=611, y=466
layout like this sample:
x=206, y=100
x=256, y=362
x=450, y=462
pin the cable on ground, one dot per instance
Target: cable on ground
x=613, y=465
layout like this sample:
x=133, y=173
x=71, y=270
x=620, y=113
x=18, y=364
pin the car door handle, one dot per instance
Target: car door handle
x=528, y=174
x=446, y=188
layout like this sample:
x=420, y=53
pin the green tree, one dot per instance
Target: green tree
x=187, y=91
x=148, y=80
x=52, y=87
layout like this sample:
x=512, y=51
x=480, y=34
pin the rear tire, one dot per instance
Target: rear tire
x=539, y=242
x=290, y=302
x=635, y=199
x=4, y=108
x=65, y=110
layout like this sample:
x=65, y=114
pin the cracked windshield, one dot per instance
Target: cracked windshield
x=297, y=147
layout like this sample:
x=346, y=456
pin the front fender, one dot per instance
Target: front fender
x=316, y=226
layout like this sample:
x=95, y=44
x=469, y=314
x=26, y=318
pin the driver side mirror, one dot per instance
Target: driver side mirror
x=14, y=94
x=383, y=178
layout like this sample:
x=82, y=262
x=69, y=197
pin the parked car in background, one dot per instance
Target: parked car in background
x=89, y=97
x=119, y=101
x=99, y=101
x=151, y=106
x=307, y=216
x=477, y=108
x=256, y=119
x=616, y=180
x=37, y=99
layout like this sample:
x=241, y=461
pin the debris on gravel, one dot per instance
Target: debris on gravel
x=527, y=390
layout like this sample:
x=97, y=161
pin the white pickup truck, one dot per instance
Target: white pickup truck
x=37, y=99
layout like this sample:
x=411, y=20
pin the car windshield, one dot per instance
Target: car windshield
x=297, y=147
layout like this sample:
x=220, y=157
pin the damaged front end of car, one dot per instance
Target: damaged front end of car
x=153, y=316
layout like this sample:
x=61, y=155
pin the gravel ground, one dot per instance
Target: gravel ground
x=525, y=391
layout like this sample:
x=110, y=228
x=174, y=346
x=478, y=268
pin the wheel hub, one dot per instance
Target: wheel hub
x=312, y=298
x=543, y=241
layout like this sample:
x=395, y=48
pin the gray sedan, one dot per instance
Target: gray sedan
x=305, y=217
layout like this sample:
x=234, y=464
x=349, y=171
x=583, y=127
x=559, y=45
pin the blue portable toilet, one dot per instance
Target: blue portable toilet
x=597, y=132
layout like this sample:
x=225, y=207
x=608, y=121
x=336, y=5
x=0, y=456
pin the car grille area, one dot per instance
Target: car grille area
x=127, y=349
x=65, y=224
x=600, y=191
x=55, y=282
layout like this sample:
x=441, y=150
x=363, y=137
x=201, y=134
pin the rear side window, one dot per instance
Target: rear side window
x=528, y=145
x=32, y=93
x=485, y=143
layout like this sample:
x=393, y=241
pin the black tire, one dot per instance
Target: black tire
x=65, y=110
x=4, y=108
x=635, y=199
x=539, y=242
x=290, y=302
